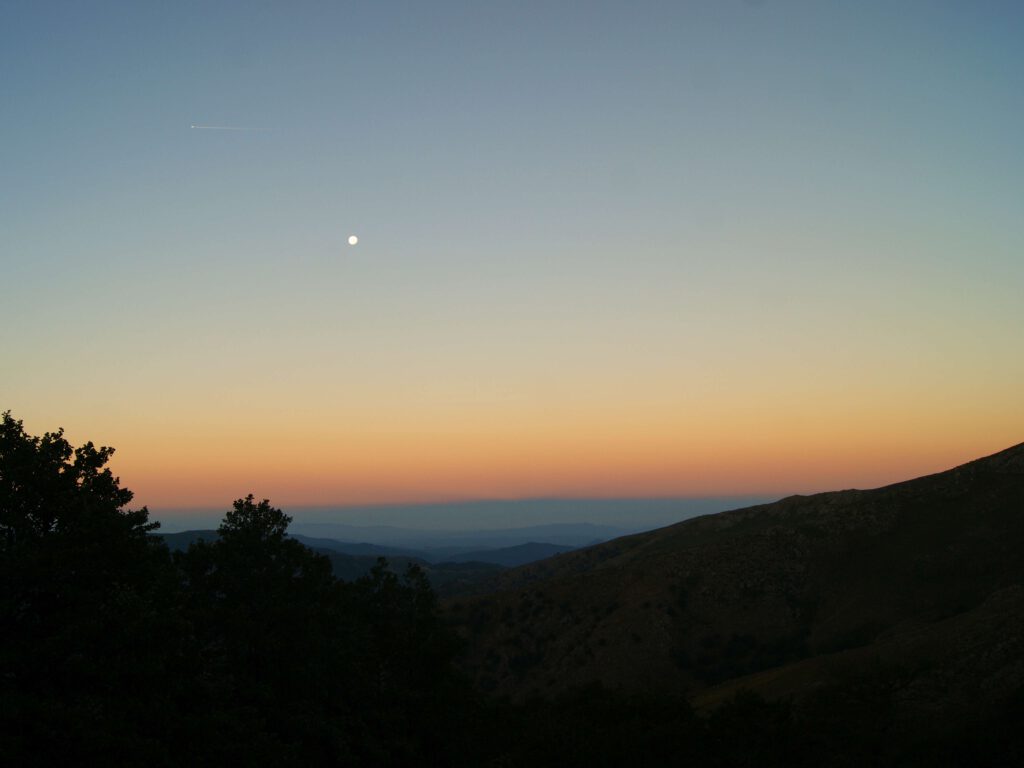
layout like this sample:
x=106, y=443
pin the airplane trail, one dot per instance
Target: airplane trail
x=222, y=128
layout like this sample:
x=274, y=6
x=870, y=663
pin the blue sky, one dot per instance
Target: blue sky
x=564, y=208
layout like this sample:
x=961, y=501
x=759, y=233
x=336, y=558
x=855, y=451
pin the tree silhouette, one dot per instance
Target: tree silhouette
x=245, y=649
x=250, y=520
x=87, y=605
x=321, y=670
x=262, y=608
x=49, y=488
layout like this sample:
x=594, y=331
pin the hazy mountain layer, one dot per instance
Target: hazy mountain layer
x=451, y=570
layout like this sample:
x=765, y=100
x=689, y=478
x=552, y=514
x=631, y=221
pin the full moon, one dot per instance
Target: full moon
x=352, y=239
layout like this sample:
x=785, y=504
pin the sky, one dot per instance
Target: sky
x=650, y=249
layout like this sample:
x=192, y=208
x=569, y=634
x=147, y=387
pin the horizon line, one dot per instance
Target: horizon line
x=482, y=500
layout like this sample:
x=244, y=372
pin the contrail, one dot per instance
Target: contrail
x=222, y=128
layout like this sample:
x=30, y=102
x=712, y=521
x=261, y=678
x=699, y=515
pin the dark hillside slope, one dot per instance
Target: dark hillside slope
x=512, y=556
x=713, y=599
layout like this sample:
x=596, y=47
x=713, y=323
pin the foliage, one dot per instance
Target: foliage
x=245, y=649
x=248, y=520
x=48, y=488
x=83, y=610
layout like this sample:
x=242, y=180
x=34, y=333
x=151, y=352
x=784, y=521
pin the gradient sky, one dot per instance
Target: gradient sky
x=606, y=249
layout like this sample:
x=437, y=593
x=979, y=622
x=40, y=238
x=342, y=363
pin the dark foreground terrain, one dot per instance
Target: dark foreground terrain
x=905, y=601
x=880, y=627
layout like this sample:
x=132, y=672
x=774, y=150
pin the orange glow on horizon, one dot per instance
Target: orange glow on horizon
x=519, y=462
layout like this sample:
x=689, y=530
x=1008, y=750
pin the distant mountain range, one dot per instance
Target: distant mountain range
x=444, y=543
x=621, y=516
x=916, y=588
x=452, y=569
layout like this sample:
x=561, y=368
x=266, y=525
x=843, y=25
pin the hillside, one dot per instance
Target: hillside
x=919, y=582
x=512, y=556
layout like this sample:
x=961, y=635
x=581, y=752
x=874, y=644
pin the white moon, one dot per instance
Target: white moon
x=352, y=239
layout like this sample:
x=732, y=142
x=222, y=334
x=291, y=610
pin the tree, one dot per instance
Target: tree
x=414, y=702
x=323, y=671
x=250, y=520
x=244, y=649
x=274, y=640
x=48, y=488
x=87, y=606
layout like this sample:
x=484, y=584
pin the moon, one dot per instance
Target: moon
x=352, y=239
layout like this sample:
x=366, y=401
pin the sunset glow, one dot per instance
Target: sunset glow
x=718, y=249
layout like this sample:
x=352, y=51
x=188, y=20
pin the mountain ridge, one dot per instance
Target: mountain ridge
x=723, y=597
